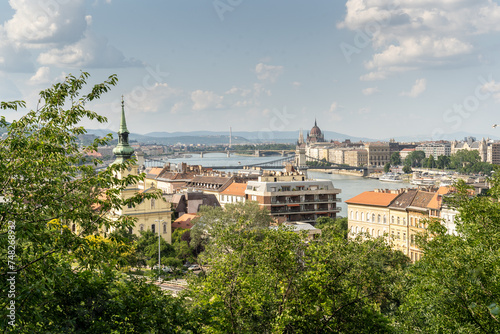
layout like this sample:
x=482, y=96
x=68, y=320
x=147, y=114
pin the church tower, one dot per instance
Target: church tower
x=123, y=150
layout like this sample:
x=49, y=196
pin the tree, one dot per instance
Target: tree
x=212, y=220
x=387, y=168
x=395, y=159
x=271, y=280
x=431, y=162
x=53, y=207
x=407, y=169
x=146, y=249
x=339, y=225
x=415, y=158
x=443, y=162
x=455, y=287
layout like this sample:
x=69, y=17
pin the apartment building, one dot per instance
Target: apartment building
x=293, y=198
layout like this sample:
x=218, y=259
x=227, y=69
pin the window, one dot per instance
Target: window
x=164, y=227
x=373, y=218
x=404, y=236
x=362, y=230
x=141, y=227
x=373, y=232
x=356, y=229
x=398, y=220
x=357, y=215
x=411, y=221
x=73, y=228
x=352, y=214
x=362, y=216
x=153, y=228
x=378, y=233
x=392, y=219
x=404, y=221
x=385, y=219
x=399, y=235
x=254, y=198
x=378, y=219
x=152, y=203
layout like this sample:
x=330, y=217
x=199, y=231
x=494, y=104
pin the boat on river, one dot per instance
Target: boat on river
x=390, y=177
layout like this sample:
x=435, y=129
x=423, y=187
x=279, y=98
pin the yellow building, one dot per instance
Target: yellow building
x=369, y=212
x=150, y=214
x=402, y=214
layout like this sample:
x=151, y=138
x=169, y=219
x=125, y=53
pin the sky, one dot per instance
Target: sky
x=367, y=68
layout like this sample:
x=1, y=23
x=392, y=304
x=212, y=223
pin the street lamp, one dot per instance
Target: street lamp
x=159, y=258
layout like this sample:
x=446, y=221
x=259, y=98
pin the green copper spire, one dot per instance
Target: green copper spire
x=123, y=151
x=123, y=123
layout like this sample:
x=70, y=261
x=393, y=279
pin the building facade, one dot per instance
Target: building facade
x=292, y=198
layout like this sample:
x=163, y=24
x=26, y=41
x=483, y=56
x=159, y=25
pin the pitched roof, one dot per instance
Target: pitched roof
x=155, y=170
x=404, y=199
x=237, y=189
x=437, y=200
x=373, y=198
x=422, y=199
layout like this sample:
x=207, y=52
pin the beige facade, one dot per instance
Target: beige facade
x=150, y=214
x=356, y=158
x=379, y=153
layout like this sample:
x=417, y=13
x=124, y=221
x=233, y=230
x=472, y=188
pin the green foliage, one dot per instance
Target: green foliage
x=213, y=220
x=146, y=249
x=407, y=169
x=455, y=287
x=271, y=280
x=414, y=159
x=395, y=159
x=339, y=225
x=387, y=168
x=57, y=207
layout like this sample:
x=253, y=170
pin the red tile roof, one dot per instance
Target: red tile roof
x=237, y=189
x=373, y=198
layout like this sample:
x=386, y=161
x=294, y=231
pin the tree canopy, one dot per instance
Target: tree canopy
x=58, y=266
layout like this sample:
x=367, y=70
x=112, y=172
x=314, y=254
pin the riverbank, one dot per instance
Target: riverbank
x=338, y=171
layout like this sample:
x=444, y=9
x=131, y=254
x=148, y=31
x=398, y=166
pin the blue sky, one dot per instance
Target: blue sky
x=368, y=68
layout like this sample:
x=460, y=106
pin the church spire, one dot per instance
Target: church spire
x=123, y=150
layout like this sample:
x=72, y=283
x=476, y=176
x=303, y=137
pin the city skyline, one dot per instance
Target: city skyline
x=364, y=68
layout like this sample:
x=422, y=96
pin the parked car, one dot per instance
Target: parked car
x=194, y=267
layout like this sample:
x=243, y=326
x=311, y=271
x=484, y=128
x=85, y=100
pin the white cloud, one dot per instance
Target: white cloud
x=334, y=106
x=260, y=90
x=41, y=76
x=296, y=84
x=238, y=91
x=418, y=88
x=176, y=107
x=205, y=100
x=149, y=99
x=371, y=90
x=493, y=88
x=268, y=72
x=91, y=51
x=415, y=34
x=46, y=22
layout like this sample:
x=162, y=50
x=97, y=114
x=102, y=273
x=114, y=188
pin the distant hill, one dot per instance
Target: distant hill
x=253, y=137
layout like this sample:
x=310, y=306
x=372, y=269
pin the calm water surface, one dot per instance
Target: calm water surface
x=350, y=185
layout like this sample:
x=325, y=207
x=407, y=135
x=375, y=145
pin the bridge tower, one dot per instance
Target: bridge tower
x=228, y=154
x=201, y=154
x=257, y=153
x=300, y=156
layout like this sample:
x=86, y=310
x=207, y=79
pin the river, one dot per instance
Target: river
x=350, y=185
